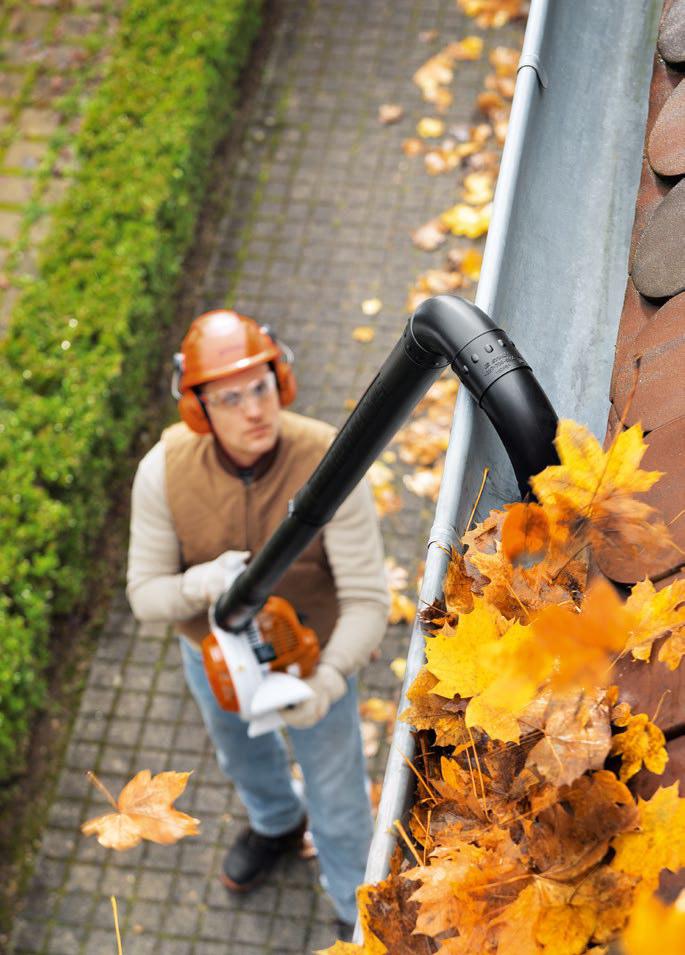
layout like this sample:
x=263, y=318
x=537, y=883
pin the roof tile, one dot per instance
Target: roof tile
x=671, y=42
x=659, y=264
x=660, y=394
x=651, y=191
x=636, y=314
x=666, y=149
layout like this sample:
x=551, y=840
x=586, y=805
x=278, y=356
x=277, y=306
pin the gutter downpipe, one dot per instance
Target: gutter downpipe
x=398, y=786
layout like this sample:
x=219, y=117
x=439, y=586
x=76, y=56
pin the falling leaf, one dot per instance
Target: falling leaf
x=371, y=306
x=399, y=667
x=650, y=919
x=471, y=221
x=641, y=743
x=659, y=842
x=390, y=113
x=582, y=642
x=144, y=811
x=525, y=535
x=430, y=128
x=430, y=235
x=363, y=333
x=591, y=492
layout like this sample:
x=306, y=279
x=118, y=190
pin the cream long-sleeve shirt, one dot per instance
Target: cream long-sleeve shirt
x=157, y=588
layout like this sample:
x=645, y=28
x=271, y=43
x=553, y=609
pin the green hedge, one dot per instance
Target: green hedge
x=74, y=367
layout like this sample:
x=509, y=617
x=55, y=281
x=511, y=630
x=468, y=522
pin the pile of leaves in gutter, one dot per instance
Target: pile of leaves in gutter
x=524, y=838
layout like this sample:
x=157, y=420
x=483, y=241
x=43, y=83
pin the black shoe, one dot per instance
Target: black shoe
x=252, y=856
x=344, y=930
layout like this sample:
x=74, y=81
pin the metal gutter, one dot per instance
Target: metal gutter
x=553, y=273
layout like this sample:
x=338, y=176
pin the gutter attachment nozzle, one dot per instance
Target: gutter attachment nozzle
x=444, y=330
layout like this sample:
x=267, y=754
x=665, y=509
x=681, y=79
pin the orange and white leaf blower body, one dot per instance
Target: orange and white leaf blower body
x=260, y=671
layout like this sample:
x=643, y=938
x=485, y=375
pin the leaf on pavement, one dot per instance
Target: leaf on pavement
x=143, y=811
x=364, y=334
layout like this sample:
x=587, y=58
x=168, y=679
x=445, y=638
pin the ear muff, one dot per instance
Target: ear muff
x=193, y=414
x=189, y=405
x=283, y=369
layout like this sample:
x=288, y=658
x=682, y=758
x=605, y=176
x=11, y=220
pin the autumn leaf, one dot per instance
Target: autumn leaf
x=371, y=306
x=402, y=608
x=571, y=836
x=471, y=221
x=429, y=710
x=430, y=128
x=641, y=743
x=398, y=666
x=659, y=842
x=657, y=613
x=143, y=811
x=591, y=492
x=385, y=494
x=455, y=654
x=479, y=188
x=576, y=735
x=457, y=585
x=381, y=711
x=525, y=534
x=493, y=13
x=430, y=235
x=582, y=642
x=650, y=919
x=390, y=113
x=471, y=264
x=363, y=333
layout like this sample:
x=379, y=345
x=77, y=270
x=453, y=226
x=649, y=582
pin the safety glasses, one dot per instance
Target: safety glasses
x=234, y=398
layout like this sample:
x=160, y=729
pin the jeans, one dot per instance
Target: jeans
x=333, y=766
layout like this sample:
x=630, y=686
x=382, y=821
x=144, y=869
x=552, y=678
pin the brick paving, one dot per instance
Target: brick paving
x=52, y=53
x=315, y=206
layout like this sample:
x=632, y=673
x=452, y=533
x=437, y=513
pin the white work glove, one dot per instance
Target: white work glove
x=204, y=583
x=329, y=685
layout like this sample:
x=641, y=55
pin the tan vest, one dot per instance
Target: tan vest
x=215, y=510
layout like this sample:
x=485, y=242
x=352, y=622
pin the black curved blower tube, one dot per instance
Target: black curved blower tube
x=445, y=330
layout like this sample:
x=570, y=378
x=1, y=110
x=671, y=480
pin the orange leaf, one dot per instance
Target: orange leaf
x=525, y=534
x=144, y=811
x=642, y=742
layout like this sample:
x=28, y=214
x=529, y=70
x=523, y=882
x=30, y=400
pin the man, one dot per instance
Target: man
x=205, y=498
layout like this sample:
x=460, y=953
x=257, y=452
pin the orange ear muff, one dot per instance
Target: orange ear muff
x=287, y=386
x=191, y=411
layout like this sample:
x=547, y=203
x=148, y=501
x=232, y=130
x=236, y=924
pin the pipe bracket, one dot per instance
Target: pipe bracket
x=535, y=63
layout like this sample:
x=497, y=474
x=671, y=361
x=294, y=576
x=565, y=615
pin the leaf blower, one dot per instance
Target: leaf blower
x=258, y=650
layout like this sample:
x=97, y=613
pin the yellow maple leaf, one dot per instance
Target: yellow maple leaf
x=642, y=742
x=143, y=811
x=455, y=654
x=650, y=919
x=591, y=491
x=659, y=843
x=656, y=613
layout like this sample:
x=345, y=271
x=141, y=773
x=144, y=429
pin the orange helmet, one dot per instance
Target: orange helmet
x=222, y=343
